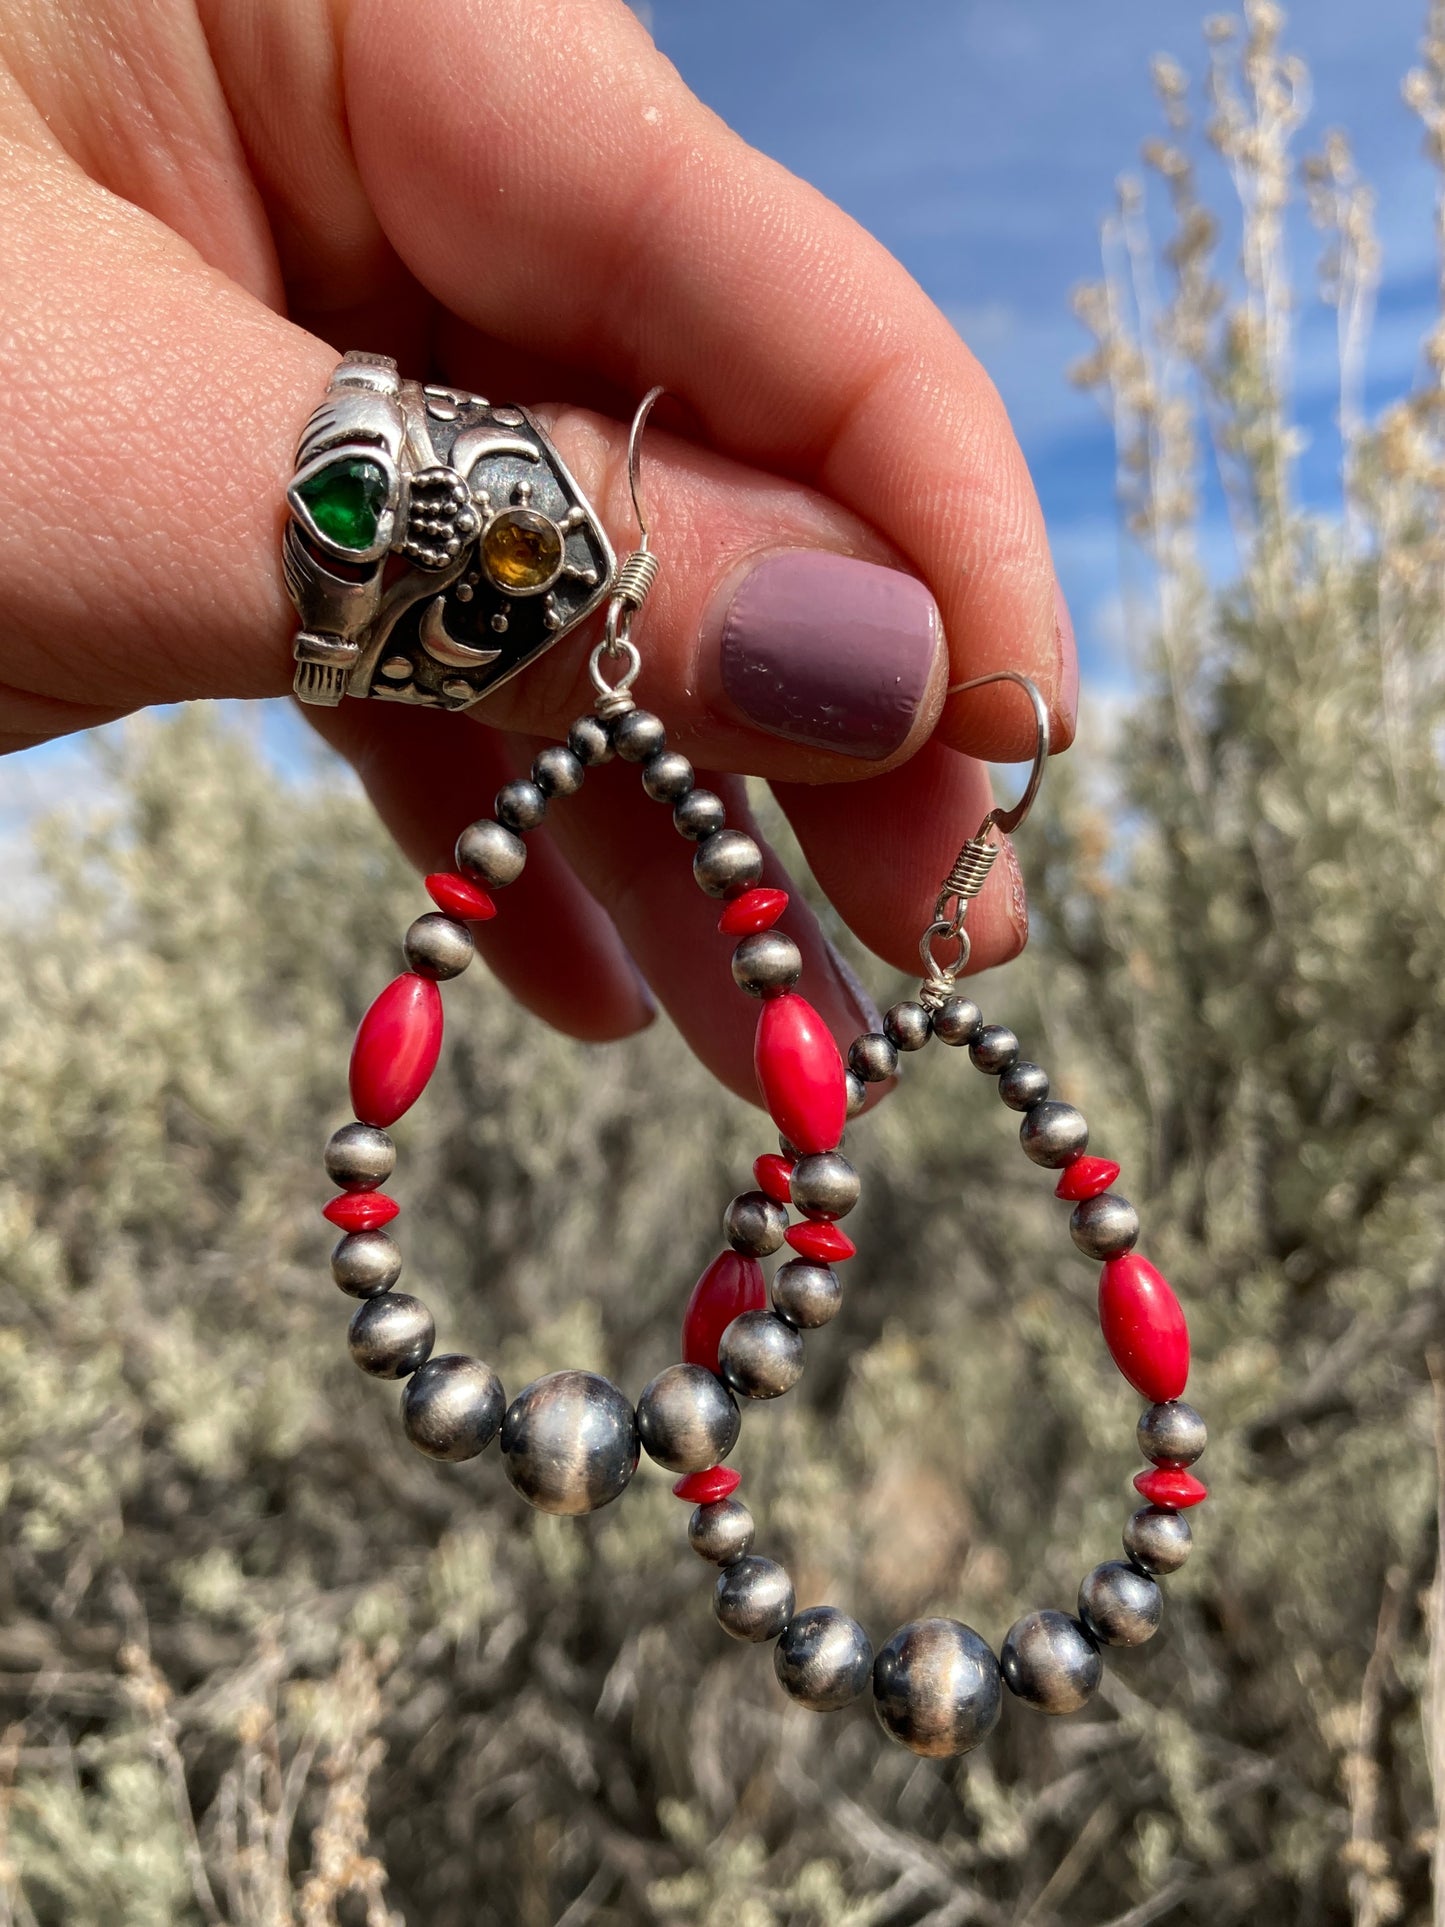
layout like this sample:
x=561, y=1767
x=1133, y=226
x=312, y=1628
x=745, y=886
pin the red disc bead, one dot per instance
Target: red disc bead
x=459, y=897
x=732, y=1284
x=361, y=1210
x=774, y=1176
x=705, y=1488
x=1144, y=1327
x=800, y=1073
x=1085, y=1178
x=396, y=1049
x=825, y=1244
x=754, y=910
x=1171, y=1486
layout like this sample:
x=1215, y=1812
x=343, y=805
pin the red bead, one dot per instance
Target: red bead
x=459, y=897
x=800, y=1073
x=1171, y=1486
x=823, y=1243
x=396, y=1049
x=361, y=1210
x=730, y=1285
x=1144, y=1327
x=774, y=1177
x=1085, y=1178
x=754, y=910
x=705, y=1488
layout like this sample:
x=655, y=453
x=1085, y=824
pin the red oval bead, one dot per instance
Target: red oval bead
x=361, y=1210
x=396, y=1049
x=1171, y=1486
x=705, y=1488
x=774, y=1176
x=1085, y=1178
x=823, y=1243
x=730, y=1285
x=754, y=910
x=800, y=1073
x=459, y=897
x=1144, y=1327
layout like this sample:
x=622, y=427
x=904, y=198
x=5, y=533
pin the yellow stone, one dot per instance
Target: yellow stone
x=522, y=551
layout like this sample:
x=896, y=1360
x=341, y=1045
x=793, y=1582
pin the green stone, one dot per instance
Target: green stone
x=345, y=501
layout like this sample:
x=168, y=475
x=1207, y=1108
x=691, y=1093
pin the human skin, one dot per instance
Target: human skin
x=202, y=205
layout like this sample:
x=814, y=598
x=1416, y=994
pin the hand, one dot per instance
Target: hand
x=523, y=199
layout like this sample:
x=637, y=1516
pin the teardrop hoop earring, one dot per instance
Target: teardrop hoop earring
x=371, y=484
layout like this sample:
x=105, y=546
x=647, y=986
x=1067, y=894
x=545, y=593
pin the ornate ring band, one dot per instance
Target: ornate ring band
x=436, y=544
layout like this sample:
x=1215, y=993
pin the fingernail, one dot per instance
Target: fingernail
x=1068, y=697
x=830, y=651
x=1018, y=896
x=868, y=1012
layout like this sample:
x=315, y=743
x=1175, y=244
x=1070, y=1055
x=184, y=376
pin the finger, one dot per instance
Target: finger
x=689, y=259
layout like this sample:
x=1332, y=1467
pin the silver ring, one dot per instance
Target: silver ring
x=436, y=544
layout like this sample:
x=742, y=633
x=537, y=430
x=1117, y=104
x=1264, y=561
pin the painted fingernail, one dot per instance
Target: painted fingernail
x=1068, y=697
x=830, y=651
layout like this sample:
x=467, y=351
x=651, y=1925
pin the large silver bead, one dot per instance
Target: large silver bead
x=590, y=741
x=700, y=814
x=993, y=1048
x=569, y=1442
x=727, y=863
x=452, y=1408
x=667, y=778
x=358, y=1157
x=1023, y=1085
x=1102, y=1227
x=907, y=1026
x=754, y=1224
x=1172, y=1433
x=687, y=1419
x=767, y=962
x=957, y=1020
x=1120, y=1605
x=1050, y=1660
x=391, y=1335
x=806, y=1294
x=936, y=1688
x=1053, y=1134
x=753, y=1599
x=824, y=1185
x=438, y=946
x=638, y=735
x=721, y=1531
x=491, y=853
x=760, y=1355
x=873, y=1057
x=366, y=1262
x=1158, y=1540
x=520, y=805
x=823, y=1659
x=558, y=771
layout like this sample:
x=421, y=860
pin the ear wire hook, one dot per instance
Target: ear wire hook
x=635, y=576
x=1008, y=821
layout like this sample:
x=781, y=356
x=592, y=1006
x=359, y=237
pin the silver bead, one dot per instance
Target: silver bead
x=1050, y=1660
x=1023, y=1085
x=1053, y=1134
x=857, y=1093
x=993, y=1049
x=638, y=735
x=907, y=1026
x=558, y=771
x=721, y=1531
x=520, y=805
x=359, y=1156
x=687, y=1419
x=667, y=778
x=589, y=741
x=438, y=946
x=936, y=1688
x=767, y=962
x=452, y=1407
x=700, y=814
x=754, y=1224
x=760, y=1355
x=1172, y=1433
x=1158, y=1540
x=805, y=1294
x=957, y=1020
x=727, y=863
x=754, y=1598
x=391, y=1334
x=490, y=852
x=823, y=1659
x=1102, y=1227
x=873, y=1057
x=1120, y=1605
x=569, y=1442
x=824, y=1185
x=366, y=1262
